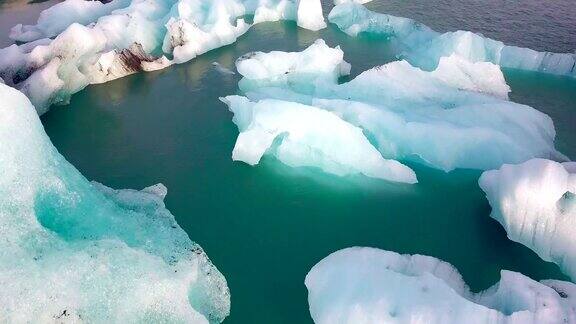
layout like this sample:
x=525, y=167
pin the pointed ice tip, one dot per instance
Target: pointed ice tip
x=410, y=177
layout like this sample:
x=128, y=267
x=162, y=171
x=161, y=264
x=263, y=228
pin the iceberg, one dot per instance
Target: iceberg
x=96, y=42
x=455, y=116
x=367, y=285
x=77, y=251
x=423, y=47
x=536, y=204
x=303, y=71
x=336, y=146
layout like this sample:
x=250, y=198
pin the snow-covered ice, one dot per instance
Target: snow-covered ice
x=455, y=116
x=536, y=204
x=368, y=285
x=423, y=47
x=96, y=42
x=76, y=251
x=316, y=66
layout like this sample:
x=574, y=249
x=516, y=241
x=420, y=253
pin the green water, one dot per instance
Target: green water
x=264, y=227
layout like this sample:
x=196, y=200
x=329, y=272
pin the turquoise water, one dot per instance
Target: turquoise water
x=264, y=227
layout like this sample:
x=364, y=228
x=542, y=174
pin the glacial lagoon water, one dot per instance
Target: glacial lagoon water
x=264, y=227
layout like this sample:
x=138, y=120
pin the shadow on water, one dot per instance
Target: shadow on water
x=266, y=226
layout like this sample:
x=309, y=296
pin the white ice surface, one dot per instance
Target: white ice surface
x=367, y=285
x=423, y=47
x=308, y=136
x=536, y=204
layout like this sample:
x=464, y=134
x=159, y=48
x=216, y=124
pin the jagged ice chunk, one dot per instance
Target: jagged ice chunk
x=308, y=137
x=536, y=204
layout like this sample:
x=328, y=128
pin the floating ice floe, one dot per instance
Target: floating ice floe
x=536, y=204
x=456, y=116
x=96, y=42
x=76, y=251
x=423, y=47
x=308, y=136
x=367, y=285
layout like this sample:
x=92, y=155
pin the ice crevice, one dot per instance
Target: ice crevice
x=76, y=43
x=424, y=47
x=367, y=285
x=456, y=116
x=74, y=250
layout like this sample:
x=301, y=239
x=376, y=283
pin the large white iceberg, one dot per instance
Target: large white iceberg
x=367, y=285
x=423, y=47
x=536, y=204
x=96, y=42
x=308, y=136
x=75, y=251
x=456, y=116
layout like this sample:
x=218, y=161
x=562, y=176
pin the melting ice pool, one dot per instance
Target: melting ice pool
x=264, y=227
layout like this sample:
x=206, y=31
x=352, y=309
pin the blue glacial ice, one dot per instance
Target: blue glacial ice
x=456, y=116
x=367, y=285
x=423, y=47
x=95, y=42
x=310, y=137
x=536, y=204
x=77, y=251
